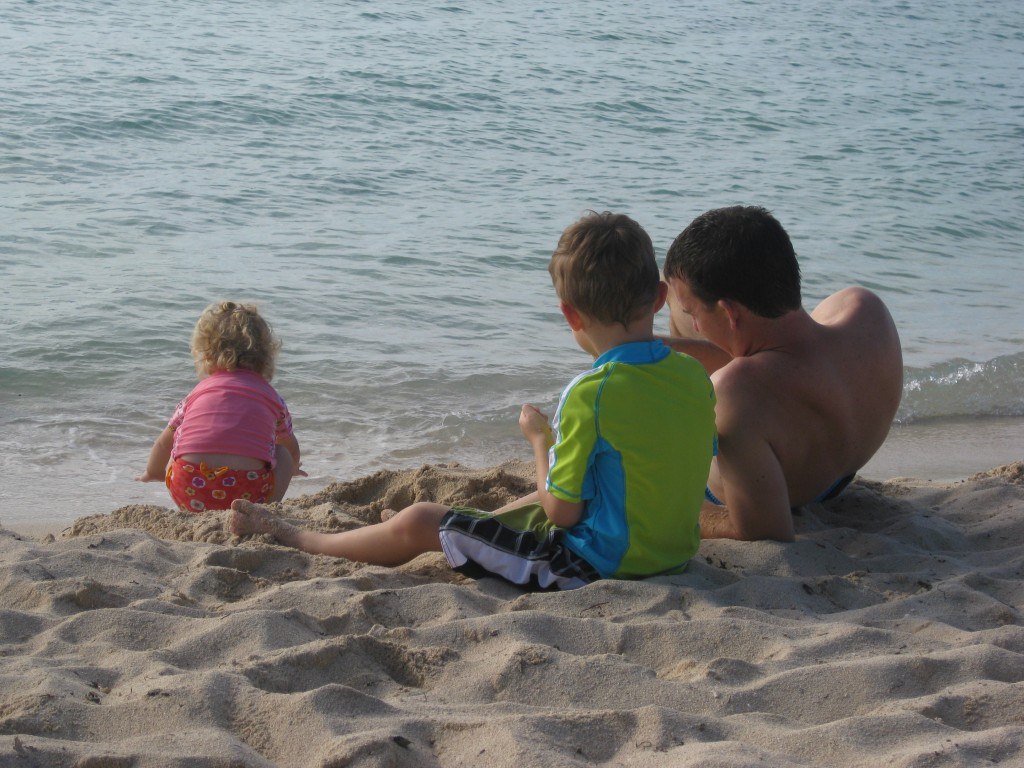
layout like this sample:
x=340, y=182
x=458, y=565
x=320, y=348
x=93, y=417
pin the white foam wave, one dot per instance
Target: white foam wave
x=964, y=388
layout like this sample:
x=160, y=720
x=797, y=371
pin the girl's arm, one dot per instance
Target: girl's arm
x=159, y=456
x=291, y=443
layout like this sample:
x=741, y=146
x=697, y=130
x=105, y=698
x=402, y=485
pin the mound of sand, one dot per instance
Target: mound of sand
x=890, y=633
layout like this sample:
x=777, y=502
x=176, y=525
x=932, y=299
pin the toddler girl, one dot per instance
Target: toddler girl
x=231, y=438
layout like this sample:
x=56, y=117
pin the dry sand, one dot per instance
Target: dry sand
x=889, y=634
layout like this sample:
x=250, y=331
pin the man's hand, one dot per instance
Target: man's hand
x=534, y=425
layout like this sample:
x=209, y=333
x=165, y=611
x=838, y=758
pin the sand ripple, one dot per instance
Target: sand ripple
x=891, y=633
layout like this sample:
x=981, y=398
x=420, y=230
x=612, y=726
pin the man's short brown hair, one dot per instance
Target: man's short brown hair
x=604, y=267
x=740, y=253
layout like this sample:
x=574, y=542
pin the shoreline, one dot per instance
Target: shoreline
x=947, y=450
x=933, y=451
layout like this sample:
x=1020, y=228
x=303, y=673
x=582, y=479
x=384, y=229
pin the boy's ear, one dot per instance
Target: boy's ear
x=659, y=300
x=572, y=316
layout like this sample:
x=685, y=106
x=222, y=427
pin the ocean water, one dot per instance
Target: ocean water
x=388, y=179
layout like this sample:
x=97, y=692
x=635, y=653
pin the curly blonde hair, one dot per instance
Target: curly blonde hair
x=229, y=336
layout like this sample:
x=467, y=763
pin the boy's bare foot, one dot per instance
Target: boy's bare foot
x=387, y=514
x=248, y=518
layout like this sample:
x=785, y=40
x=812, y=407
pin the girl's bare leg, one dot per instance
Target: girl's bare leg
x=409, y=533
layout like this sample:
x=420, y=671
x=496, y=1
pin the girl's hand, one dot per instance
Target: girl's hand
x=534, y=425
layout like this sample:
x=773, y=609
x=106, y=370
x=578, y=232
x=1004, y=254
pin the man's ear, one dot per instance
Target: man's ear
x=732, y=311
x=572, y=316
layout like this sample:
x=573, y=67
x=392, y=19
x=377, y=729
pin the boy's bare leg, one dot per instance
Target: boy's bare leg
x=409, y=533
x=530, y=498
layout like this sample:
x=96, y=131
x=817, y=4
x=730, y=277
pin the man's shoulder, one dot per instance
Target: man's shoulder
x=743, y=375
x=740, y=387
x=855, y=305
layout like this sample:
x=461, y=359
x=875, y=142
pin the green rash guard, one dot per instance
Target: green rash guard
x=634, y=437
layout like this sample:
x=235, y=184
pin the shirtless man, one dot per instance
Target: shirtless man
x=804, y=400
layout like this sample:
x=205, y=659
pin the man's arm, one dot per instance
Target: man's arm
x=706, y=353
x=756, y=507
x=755, y=492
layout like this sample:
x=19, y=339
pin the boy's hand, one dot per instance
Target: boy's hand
x=534, y=425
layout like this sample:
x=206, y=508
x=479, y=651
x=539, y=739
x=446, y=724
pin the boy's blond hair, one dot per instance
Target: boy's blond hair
x=229, y=336
x=604, y=267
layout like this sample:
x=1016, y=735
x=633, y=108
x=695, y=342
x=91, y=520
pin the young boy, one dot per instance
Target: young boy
x=620, y=474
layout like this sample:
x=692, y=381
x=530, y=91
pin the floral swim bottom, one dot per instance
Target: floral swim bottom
x=200, y=488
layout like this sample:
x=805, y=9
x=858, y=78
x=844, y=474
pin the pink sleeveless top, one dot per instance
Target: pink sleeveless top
x=235, y=412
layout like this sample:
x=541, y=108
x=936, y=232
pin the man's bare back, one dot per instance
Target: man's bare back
x=804, y=400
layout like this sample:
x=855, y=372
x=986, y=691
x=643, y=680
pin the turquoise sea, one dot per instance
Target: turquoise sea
x=388, y=179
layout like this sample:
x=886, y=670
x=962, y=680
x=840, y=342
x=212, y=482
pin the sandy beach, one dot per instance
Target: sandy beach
x=388, y=182
x=889, y=634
